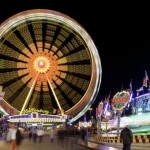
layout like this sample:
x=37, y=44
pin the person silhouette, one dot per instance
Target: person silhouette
x=126, y=136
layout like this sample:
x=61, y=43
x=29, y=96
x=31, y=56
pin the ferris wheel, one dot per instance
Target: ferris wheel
x=48, y=61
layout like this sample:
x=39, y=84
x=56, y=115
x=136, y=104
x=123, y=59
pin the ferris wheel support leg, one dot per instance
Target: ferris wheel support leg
x=62, y=112
x=29, y=95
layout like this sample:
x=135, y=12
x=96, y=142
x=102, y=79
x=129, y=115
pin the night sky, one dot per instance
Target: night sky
x=120, y=33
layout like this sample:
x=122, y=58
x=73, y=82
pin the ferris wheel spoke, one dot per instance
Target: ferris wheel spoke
x=29, y=95
x=57, y=101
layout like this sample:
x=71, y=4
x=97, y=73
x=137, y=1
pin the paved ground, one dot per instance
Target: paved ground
x=68, y=144
x=96, y=146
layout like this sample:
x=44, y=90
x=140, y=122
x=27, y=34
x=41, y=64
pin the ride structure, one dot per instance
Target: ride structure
x=48, y=61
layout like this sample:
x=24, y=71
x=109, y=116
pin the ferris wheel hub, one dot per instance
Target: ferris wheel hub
x=41, y=64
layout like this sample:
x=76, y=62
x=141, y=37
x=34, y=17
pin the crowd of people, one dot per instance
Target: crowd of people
x=35, y=134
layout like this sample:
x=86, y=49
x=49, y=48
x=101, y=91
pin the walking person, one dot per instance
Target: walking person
x=34, y=134
x=30, y=134
x=52, y=134
x=11, y=137
x=126, y=136
x=61, y=137
x=83, y=133
x=40, y=134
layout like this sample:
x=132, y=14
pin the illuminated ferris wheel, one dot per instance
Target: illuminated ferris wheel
x=48, y=61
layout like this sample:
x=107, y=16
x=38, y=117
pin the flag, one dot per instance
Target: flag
x=96, y=113
x=145, y=80
x=107, y=98
x=106, y=104
x=130, y=85
x=121, y=87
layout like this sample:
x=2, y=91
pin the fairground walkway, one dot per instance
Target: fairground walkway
x=139, y=142
x=67, y=144
x=72, y=143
